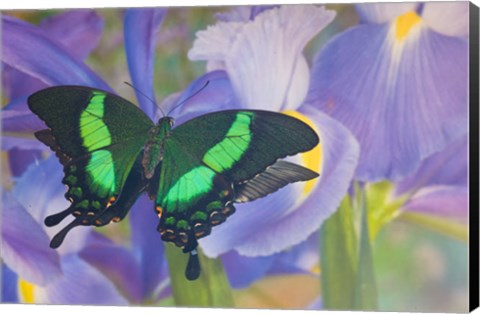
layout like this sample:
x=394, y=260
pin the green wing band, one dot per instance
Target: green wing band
x=93, y=130
x=101, y=174
x=188, y=188
x=240, y=144
x=225, y=154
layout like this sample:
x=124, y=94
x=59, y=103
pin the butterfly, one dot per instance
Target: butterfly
x=112, y=152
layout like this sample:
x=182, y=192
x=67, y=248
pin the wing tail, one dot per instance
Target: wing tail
x=272, y=179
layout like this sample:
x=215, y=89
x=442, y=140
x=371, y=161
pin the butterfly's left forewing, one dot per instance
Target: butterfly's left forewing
x=98, y=137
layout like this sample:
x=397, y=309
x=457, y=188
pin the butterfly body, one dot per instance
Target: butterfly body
x=194, y=173
x=153, y=149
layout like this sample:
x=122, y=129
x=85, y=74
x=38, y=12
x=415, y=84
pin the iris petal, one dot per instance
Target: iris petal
x=450, y=202
x=403, y=100
x=124, y=272
x=81, y=284
x=301, y=258
x=383, y=12
x=9, y=293
x=18, y=85
x=200, y=98
x=20, y=121
x=27, y=49
x=140, y=29
x=242, y=271
x=20, y=159
x=272, y=44
x=25, y=244
x=448, y=167
x=271, y=62
x=316, y=305
x=78, y=30
x=213, y=44
x=10, y=142
x=41, y=192
x=299, y=84
x=448, y=18
x=147, y=246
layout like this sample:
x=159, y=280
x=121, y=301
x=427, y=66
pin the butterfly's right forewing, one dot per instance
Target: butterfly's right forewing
x=217, y=159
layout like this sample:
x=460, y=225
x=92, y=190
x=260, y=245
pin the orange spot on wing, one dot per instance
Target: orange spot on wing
x=112, y=200
x=159, y=211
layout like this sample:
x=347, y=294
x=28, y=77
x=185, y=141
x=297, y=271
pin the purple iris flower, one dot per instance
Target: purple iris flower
x=398, y=81
x=255, y=61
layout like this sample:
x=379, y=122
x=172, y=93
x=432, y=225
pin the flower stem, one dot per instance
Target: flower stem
x=338, y=249
x=365, y=289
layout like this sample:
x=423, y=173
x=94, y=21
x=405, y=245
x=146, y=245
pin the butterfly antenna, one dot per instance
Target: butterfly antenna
x=144, y=95
x=189, y=97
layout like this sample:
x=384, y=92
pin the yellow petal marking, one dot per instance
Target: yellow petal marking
x=312, y=159
x=404, y=24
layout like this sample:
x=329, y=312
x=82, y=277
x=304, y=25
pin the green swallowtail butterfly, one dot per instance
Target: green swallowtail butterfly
x=112, y=152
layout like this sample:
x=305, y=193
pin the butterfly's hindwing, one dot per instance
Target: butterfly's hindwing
x=47, y=138
x=191, y=197
x=98, y=147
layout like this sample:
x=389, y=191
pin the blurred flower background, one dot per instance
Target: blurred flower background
x=384, y=85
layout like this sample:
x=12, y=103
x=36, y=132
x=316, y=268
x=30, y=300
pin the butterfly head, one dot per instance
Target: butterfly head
x=166, y=122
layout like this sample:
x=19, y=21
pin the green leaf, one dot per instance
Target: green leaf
x=338, y=251
x=211, y=289
x=347, y=270
x=365, y=293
